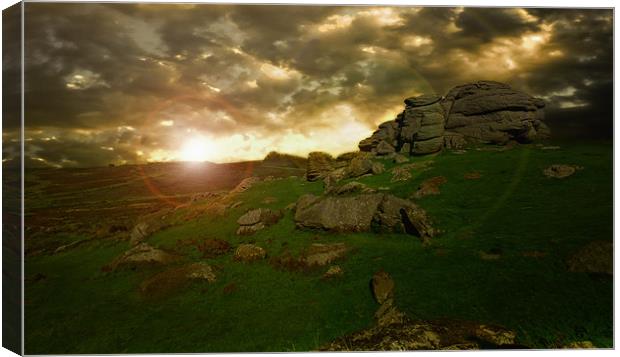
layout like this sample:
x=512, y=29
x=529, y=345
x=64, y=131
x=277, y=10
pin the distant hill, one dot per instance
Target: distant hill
x=275, y=158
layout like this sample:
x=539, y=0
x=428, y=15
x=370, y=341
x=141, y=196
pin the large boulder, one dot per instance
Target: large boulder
x=493, y=112
x=365, y=212
x=338, y=214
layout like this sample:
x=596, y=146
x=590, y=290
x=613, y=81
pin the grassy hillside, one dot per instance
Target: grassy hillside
x=527, y=222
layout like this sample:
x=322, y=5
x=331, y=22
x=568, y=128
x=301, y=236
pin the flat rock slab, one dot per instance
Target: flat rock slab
x=339, y=214
x=324, y=254
x=141, y=255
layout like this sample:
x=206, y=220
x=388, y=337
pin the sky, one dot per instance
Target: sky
x=134, y=83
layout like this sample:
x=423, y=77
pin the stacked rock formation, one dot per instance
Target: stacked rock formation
x=417, y=130
x=482, y=112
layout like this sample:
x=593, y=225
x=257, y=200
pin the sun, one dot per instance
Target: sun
x=196, y=149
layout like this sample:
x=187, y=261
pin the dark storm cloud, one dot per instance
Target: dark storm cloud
x=132, y=82
x=485, y=24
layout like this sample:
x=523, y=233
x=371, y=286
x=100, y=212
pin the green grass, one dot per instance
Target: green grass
x=512, y=208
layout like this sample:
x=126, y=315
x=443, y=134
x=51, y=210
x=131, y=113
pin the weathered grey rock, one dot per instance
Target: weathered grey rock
x=395, y=331
x=377, y=168
x=359, y=166
x=382, y=287
x=493, y=112
x=148, y=225
x=405, y=149
x=350, y=188
x=383, y=148
x=249, y=253
x=453, y=140
x=141, y=255
x=319, y=164
x=480, y=112
x=257, y=219
x=365, y=212
x=387, y=132
x=594, y=257
x=245, y=184
x=430, y=131
x=428, y=146
x=324, y=254
x=338, y=214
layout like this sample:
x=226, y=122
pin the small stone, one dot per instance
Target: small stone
x=382, y=287
x=474, y=175
x=249, y=253
x=560, y=171
x=334, y=271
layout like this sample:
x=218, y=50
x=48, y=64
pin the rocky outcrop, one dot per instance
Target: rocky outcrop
x=376, y=212
x=483, y=112
x=417, y=130
x=493, y=112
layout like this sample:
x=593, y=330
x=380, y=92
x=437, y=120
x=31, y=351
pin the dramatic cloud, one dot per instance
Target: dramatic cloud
x=124, y=83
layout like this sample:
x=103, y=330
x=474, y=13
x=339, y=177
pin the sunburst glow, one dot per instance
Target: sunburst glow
x=197, y=149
